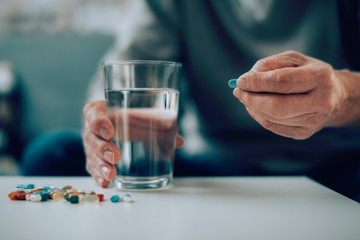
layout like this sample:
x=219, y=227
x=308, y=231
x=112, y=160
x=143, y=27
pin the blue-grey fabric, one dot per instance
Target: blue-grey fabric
x=217, y=41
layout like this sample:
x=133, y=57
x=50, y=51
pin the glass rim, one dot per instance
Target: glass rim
x=136, y=62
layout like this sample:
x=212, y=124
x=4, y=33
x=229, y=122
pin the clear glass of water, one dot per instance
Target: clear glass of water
x=142, y=100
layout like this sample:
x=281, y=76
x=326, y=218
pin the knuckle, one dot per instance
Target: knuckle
x=295, y=57
x=293, y=54
x=260, y=63
x=282, y=83
x=326, y=75
x=87, y=107
x=97, y=123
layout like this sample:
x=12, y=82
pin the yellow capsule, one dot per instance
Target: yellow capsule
x=57, y=195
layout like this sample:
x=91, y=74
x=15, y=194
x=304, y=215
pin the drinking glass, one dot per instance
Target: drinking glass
x=142, y=100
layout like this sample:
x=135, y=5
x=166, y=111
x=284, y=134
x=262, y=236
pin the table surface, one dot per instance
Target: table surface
x=195, y=208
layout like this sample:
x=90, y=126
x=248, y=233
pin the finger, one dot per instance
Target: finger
x=276, y=105
x=179, y=141
x=295, y=132
x=281, y=60
x=108, y=151
x=284, y=81
x=107, y=170
x=99, y=123
x=96, y=174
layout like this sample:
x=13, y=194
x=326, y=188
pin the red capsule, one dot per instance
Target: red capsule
x=12, y=195
x=21, y=196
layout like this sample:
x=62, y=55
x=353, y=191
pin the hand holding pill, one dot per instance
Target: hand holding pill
x=295, y=96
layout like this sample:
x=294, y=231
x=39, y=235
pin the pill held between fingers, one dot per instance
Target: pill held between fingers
x=232, y=83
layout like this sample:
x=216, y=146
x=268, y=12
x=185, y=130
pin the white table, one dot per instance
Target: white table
x=268, y=208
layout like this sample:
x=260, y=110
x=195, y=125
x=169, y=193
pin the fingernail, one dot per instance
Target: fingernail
x=109, y=156
x=100, y=181
x=232, y=83
x=106, y=172
x=104, y=133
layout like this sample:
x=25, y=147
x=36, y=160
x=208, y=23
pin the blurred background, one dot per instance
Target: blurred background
x=49, y=50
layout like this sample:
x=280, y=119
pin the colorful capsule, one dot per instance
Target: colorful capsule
x=36, y=190
x=12, y=194
x=57, y=195
x=70, y=192
x=89, y=198
x=26, y=186
x=67, y=187
x=21, y=196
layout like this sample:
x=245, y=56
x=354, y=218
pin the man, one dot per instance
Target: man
x=293, y=94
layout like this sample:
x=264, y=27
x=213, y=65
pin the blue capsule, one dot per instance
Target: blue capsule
x=45, y=196
x=26, y=186
x=74, y=199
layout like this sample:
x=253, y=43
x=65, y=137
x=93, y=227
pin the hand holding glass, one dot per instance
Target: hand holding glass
x=142, y=101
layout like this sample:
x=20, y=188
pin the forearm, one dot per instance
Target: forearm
x=348, y=112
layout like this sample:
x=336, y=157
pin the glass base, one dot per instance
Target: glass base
x=143, y=183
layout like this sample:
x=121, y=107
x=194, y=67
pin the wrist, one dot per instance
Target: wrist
x=347, y=111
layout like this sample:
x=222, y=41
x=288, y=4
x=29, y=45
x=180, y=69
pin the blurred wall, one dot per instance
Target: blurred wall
x=55, y=47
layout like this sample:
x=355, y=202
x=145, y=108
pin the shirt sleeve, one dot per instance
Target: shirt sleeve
x=149, y=31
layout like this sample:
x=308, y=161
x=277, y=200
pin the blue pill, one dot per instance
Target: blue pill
x=29, y=186
x=232, y=83
x=115, y=198
x=38, y=192
x=74, y=199
x=26, y=186
x=45, y=196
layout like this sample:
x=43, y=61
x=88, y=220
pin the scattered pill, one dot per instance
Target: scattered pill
x=26, y=186
x=127, y=198
x=74, y=199
x=57, y=195
x=115, y=198
x=21, y=196
x=67, y=187
x=33, y=197
x=12, y=195
x=101, y=197
x=32, y=193
x=89, y=198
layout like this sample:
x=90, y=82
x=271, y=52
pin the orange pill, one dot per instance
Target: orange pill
x=12, y=195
